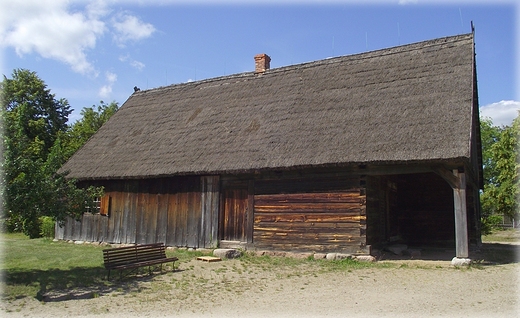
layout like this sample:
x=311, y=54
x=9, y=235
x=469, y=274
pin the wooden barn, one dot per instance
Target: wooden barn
x=336, y=155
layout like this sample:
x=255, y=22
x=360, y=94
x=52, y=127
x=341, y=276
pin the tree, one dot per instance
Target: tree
x=35, y=127
x=33, y=117
x=92, y=119
x=500, y=154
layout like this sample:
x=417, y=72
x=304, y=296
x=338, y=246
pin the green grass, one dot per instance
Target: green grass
x=506, y=236
x=30, y=268
x=33, y=267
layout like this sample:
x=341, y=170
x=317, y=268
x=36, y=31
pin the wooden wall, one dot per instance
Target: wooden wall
x=180, y=211
x=318, y=214
x=293, y=211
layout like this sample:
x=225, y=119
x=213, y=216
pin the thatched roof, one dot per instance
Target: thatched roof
x=411, y=103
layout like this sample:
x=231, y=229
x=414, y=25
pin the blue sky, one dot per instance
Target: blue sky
x=87, y=51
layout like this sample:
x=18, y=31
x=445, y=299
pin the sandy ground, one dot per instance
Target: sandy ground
x=235, y=288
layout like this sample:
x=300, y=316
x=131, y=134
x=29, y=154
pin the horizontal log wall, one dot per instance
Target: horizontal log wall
x=310, y=214
x=147, y=211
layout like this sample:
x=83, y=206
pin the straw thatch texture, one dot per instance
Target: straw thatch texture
x=403, y=104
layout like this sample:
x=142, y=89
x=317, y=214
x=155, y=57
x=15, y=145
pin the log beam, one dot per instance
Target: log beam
x=461, y=219
x=457, y=180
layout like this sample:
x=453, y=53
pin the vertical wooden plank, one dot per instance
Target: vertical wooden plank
x=171, y=235
x=151, y=214
x=461, y=225
x=203, y=220
x=215, y=212
x=59, y=231
x=103, y=227
x=162, y=218
x=139, y=219
x=194, y=215
x=130, y=236
x=250, y=211
x=115, y=224
x=181, y=217
x=77, y=231
x=144, y=197
x=91, y=227
x=210, y=208
x=162, y=211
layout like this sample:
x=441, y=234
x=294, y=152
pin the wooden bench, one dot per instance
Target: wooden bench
x=133, y=257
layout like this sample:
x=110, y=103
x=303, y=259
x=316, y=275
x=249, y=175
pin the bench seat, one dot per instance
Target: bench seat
x=132, y=257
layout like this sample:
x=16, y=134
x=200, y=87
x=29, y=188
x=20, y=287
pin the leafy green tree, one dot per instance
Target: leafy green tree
x=33, y=117
x=92, y=119
x=35, y=125
x=500, y=154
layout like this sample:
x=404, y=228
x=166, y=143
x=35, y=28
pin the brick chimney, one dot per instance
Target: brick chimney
x=262, y=63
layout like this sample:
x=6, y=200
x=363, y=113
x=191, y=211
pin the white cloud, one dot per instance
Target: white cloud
x=66, y=30
x=106, y=90
x=501, y=113
x=50, y=30
x=135, y=64
x=130, y=28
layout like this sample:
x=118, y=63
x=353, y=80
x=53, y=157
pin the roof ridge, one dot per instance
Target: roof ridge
x=330, y=60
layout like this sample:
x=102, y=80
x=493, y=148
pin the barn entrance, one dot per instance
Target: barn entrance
x=413, y=209
x=234, y=210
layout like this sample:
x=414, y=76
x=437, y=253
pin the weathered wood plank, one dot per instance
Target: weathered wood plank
x=354, y=247
x=210, y=210
x=171, y=233
x=194, y=217
x=306, y=218
x=250, y=212
x=162, y=217
x=309, y=208
x=301, y=198
x=327, y=226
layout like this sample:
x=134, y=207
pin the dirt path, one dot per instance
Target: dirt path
x=234, y=288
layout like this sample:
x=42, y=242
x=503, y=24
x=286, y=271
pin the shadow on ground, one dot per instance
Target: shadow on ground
x=78, y=283
x=487, y=254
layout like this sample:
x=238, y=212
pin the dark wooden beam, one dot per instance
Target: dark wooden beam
x=448, y=176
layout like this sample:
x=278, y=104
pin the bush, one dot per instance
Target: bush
x=47, y=227
x=491, y=223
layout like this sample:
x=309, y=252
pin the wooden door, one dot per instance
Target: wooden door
x=234, y=211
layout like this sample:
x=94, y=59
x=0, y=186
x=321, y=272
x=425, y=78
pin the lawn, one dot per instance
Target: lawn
x=32, y=268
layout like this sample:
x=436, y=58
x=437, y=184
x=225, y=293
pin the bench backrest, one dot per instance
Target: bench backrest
x=133, y=254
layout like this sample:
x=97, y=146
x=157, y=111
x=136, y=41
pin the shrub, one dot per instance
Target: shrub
x=47, y=227
x=491, y=223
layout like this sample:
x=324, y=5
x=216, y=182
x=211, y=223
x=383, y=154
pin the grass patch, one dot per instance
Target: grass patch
x=505, y=236
x=33, y=267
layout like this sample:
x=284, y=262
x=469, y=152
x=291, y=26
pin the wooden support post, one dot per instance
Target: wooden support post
x=461, y=220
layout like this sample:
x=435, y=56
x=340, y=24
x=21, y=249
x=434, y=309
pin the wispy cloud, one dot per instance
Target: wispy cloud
x=501, y=113
x=135, y=64
x=403, y=2
x=106, y=90
x=129, y=28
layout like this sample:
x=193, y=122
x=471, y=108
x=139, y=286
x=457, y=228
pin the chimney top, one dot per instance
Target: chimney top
x=262, y=63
